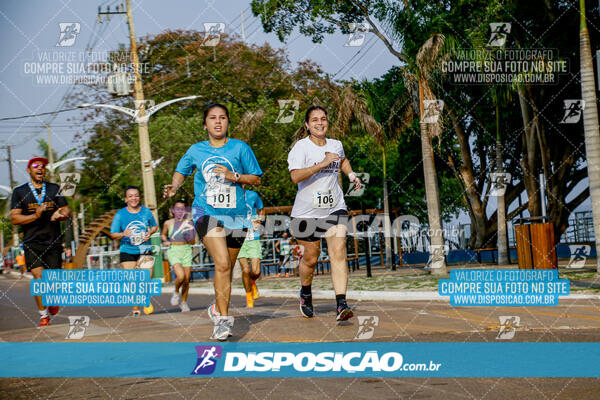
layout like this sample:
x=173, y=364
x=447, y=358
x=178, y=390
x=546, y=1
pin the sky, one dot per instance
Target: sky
x=32, y=29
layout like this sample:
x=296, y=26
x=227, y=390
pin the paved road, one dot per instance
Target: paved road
x=276, y=319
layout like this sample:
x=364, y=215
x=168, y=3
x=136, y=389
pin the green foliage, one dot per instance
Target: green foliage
x=249, y=80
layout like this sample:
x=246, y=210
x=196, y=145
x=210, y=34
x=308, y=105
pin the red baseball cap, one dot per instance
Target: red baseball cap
x=45, y=161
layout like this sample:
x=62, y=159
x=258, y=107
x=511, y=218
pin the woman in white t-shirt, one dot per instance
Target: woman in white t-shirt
x=319, y=209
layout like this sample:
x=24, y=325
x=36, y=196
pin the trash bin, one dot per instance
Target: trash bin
x=535, y=243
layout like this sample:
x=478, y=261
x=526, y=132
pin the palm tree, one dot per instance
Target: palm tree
x=357, y=105
x=249, y=124
x=590, y=123
x=502, y=240
x=426, y=61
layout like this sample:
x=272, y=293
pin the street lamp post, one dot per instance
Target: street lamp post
x=141, y=117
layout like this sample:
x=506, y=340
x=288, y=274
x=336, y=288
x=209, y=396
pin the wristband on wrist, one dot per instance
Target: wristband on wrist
x=352, y=176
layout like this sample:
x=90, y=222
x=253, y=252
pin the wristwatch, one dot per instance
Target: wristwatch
x=237, y=176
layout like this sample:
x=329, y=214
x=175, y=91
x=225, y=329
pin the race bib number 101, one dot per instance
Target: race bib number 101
x=222, y=198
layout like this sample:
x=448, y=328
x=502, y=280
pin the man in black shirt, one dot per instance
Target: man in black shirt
x=38, y=207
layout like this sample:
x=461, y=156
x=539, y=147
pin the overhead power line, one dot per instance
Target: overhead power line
x=40, y=114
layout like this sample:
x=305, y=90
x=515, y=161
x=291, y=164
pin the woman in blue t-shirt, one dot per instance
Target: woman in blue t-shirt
x=222, y=165
x=133, y=225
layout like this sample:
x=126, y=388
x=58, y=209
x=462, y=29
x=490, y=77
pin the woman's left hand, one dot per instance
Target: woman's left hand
x=224, y=172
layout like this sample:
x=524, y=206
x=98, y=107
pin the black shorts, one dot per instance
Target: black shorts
x=43, y=255
x=313, y=229
x=126, y=257
x=234, y=237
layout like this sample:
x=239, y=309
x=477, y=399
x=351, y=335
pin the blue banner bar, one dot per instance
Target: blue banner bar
x=300, y=359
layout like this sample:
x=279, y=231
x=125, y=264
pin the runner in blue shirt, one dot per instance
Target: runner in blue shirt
x=222, y=165
x=133, y=225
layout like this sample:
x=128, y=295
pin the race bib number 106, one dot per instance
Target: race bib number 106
x=323, y=199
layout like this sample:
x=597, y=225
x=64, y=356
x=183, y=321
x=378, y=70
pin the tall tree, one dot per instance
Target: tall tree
x=502, y=240
x=590, y=122
x=426, y=61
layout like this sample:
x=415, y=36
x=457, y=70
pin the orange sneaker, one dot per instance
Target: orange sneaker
x=45, y=321
x=249, y=300
x=255, y=292
x=287, y=275
x=278, y=275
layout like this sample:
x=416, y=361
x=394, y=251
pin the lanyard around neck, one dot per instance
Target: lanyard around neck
x=40, y=198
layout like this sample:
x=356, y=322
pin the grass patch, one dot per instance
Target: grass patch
x=586, y=281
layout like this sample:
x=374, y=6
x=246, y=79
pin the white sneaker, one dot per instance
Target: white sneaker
x=223, y=328
x=184, y=306
x=175, y=298
x=213, y=314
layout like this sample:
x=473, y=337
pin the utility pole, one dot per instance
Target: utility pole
x=243, y=30
x=145, y=154
x=50, y=153
x=15, y=232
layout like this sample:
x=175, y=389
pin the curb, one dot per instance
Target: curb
x=362, y=295
x=27, y=275
x=328, y=294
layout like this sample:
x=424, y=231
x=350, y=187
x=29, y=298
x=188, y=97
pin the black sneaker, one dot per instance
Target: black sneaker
x=306, y=306
x=344, y=312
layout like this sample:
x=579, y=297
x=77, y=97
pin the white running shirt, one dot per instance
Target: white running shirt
x=320, y=195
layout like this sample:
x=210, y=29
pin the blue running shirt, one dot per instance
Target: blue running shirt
x=139, y=223
x=214, y=195
x=253, y=204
